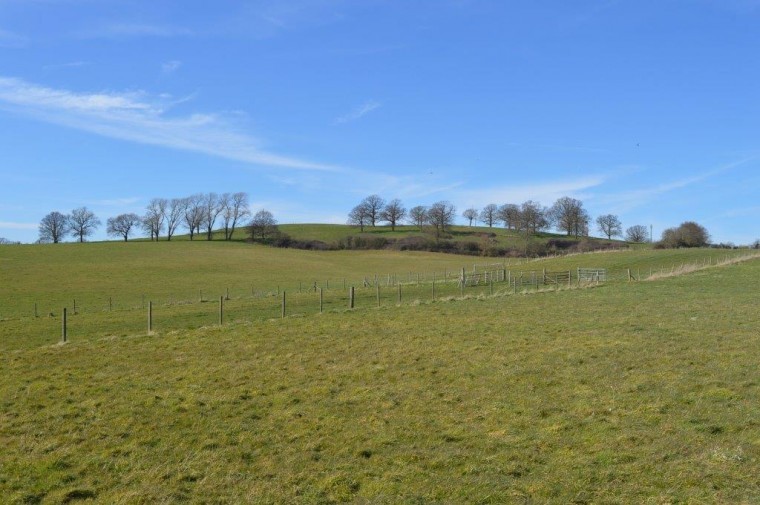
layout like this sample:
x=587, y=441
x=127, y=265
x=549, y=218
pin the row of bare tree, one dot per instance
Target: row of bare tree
x=567, y=215
x=197, y=213
x=200, y=213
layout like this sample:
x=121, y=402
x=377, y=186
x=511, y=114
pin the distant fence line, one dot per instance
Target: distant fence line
x=315, y=297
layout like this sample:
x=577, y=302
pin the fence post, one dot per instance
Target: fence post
x=351, y=298
x=433, y=288
x=35, y=310
x=221, y=310
x=64, y=334
x=629, y=275
x=227, y=294
x=377, y=291
x=321, y=301
x=150, y=318
x=282, y=315
x=110, y=304
x=75, y=305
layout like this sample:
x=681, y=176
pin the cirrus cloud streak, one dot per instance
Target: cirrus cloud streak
x=137, y=117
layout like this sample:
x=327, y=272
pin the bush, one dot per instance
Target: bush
x=688, y=234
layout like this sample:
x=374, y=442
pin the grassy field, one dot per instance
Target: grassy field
x=643, y=392
x=106, y=287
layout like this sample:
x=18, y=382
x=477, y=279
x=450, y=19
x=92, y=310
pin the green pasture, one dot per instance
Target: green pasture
x=641, y=392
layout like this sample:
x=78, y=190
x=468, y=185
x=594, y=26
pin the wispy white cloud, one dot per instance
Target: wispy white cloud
x=628, y=200
x=9, y=225
x=171, y=66
x=136, y=117
x=359, y=112
x=128, y=30
x=115, y=202
x=71, y=64
x=741, y=212
x=544, y=192
x=10, y=39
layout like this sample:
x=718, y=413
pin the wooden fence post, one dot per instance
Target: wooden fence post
x=351, y=294
x=321, y=300
x=36, y=314
x=64, y=334
x=75, y=305
x=110, y=304
x=282, y=314
x=227, y=294
x=433, y=288
x=221, y=310
x=150, y=318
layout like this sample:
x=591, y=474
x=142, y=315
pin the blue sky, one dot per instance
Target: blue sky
x=645, y=109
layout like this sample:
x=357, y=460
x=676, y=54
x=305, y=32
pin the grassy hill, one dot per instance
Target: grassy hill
x=499, y=237
x=334, y=233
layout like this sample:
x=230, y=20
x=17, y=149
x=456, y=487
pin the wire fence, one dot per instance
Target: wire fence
x=114, y=317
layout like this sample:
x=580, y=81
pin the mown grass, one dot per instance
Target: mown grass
x=625, y=393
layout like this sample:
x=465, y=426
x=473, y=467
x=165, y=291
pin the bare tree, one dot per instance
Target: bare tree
x=212, y=207
x=638, y=233
x=235, y=210
x=359, y=216
x=174, y=212
x=610, y=225
x=569, y=216
x=153, y=220
x=441, y=216
x=263, y=225
x=489, y=214
x=393, y=213
x=509, y=214
x=418, y=216
x=470, y=215
x=374, y=206
x=533, y=217
x=122, y=225
x=82, y=223
x=193, y=216
x=54, y=227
